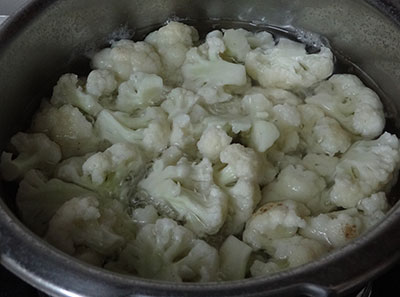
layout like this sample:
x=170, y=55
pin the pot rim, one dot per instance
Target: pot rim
x=40, y=265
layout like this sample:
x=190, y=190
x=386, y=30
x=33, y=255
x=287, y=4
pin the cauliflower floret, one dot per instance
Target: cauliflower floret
x=145, y=215
x=204, y=66
x=322, y=164
x=101, y=82
x=296, y=251
x=126, y=57
x=238, y=175
x=35, y=151
x=237, y=45
x=68, y=91
x=67, y=127
x=179, y=101
x=241, y=162
x=373, y=208
x=86, y=221
x=274, y=220
x=188, y=190
x=288, y=65
x=334, y=229
x=167, y=251
x=234, y=255
x=39, y=198
x=367, y=167
x=212, y=142
x=277, y=96
x=296, y=183
x=113, y=172
x=322, y=134
x=152, y=131
x=356, y=107
x=172, y=42
x=140, y=91
x=239, y=42
x=288, y=120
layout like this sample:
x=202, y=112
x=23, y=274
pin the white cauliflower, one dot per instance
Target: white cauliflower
x=101, y=226
x=287, y=65
x=212, y=142
x=140, y=91
x=276, y=95
x=151, y=131
x=101, y=82
x=288, y=120
x=35, y=151
x=356, y=107
x=240, y=42
x=126, y=57
x=113, y=172
x=179, y=101
x=322, y=164
x=234, y=255
x=322, y=134
x=38, y=198
x=145, y=215
x=295, y=182
x=274, y=220
x=295, y=251
x=172, y=42
x=67, y=127
x=238, y=175
x=189, y=191
x=335, y=228
x=204, y=66
x=69, y=91
x=373, y=208
x=167, y=251
x=366, y=168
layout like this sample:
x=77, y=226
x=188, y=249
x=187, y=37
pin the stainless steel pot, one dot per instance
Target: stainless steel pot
x=49, y=37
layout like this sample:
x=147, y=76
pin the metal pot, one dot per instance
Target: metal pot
x=49, y=37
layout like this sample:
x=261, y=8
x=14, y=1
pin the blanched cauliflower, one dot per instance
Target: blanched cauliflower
x=295, y=183
x=67, y=127
x=38, y=198
x=216, y=159
x=188, y=189
x=167, y=251
x=101, y=82
x=152, y=132
x=366, y=168
x=68, y=91
x=85, y=221
x=333, y=229
x=141, y=90
x=204, y=66
x=126, y=57
x=322, y=134
x=287, y=65
x=109, y=173
x=274, y=220
x=356, y=107
x=35, y=151
x=212, y=142
x=172, y=42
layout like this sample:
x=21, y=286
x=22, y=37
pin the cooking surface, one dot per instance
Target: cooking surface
x=10, y=285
